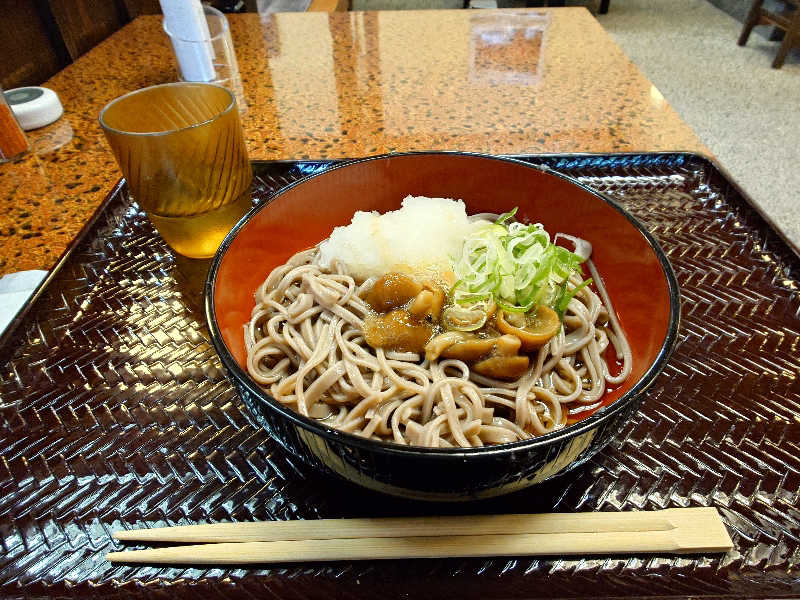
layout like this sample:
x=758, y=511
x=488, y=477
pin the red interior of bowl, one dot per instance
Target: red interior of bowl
x=307, y=213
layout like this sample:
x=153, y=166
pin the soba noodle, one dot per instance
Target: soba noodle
x=306, y=346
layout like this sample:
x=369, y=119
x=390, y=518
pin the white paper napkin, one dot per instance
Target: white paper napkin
x=15, y=289
x=188, y=30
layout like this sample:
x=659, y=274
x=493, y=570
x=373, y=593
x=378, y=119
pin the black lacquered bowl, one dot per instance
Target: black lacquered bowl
x=635, y=270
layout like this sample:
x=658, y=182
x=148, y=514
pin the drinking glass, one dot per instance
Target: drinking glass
x=204, y=50
x=181, y=149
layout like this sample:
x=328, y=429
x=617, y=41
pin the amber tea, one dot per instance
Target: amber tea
x=181, y=149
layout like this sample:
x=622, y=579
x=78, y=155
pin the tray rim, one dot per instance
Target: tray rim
x=7, y=335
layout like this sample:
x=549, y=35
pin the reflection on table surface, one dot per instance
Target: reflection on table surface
x=351, y=84
x=507, y=48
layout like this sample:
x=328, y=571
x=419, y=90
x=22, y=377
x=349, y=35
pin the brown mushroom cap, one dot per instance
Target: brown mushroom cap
x=391, y=291
x=397, y=330
x=469, y=347
x=541, y=324
x=502, y=367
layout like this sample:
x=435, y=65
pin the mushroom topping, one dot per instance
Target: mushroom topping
x=397, y=330
x=428, y=302
x=468, y=318
x=507, y=345
x=437, y=345
x=534, y=329
x=421, y=305
x=469, y=347
x=391, y=291
x=502, y=367
x=437, y=301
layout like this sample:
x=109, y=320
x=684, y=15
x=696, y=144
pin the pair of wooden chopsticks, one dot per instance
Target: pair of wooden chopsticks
x=674, y=530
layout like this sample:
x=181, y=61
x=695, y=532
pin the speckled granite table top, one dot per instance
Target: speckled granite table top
x=348, y=85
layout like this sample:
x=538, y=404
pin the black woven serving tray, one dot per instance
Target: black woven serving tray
x=115, y=413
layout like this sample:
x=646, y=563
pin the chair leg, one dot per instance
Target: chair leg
x=751, y=21
x=604, y=6
x=789, y=39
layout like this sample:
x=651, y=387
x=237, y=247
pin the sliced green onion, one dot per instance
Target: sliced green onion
x=513, y=307
x=567, y=296
x=506, y=216
x=472, y=298
x=516, y=264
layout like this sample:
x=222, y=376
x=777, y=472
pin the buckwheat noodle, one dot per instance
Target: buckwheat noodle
x=305, y=346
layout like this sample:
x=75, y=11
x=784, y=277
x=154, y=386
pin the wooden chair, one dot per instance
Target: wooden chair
x=788, y=21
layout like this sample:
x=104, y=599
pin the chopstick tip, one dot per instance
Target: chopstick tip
x=131, y=535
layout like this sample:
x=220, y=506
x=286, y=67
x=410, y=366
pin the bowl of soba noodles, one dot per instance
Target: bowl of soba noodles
x=441, y=325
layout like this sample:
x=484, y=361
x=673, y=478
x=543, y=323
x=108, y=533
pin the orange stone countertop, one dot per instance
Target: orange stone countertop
x=351, y=84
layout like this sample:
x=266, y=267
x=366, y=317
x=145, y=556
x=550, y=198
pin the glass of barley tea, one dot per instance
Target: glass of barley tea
x=181, y=149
